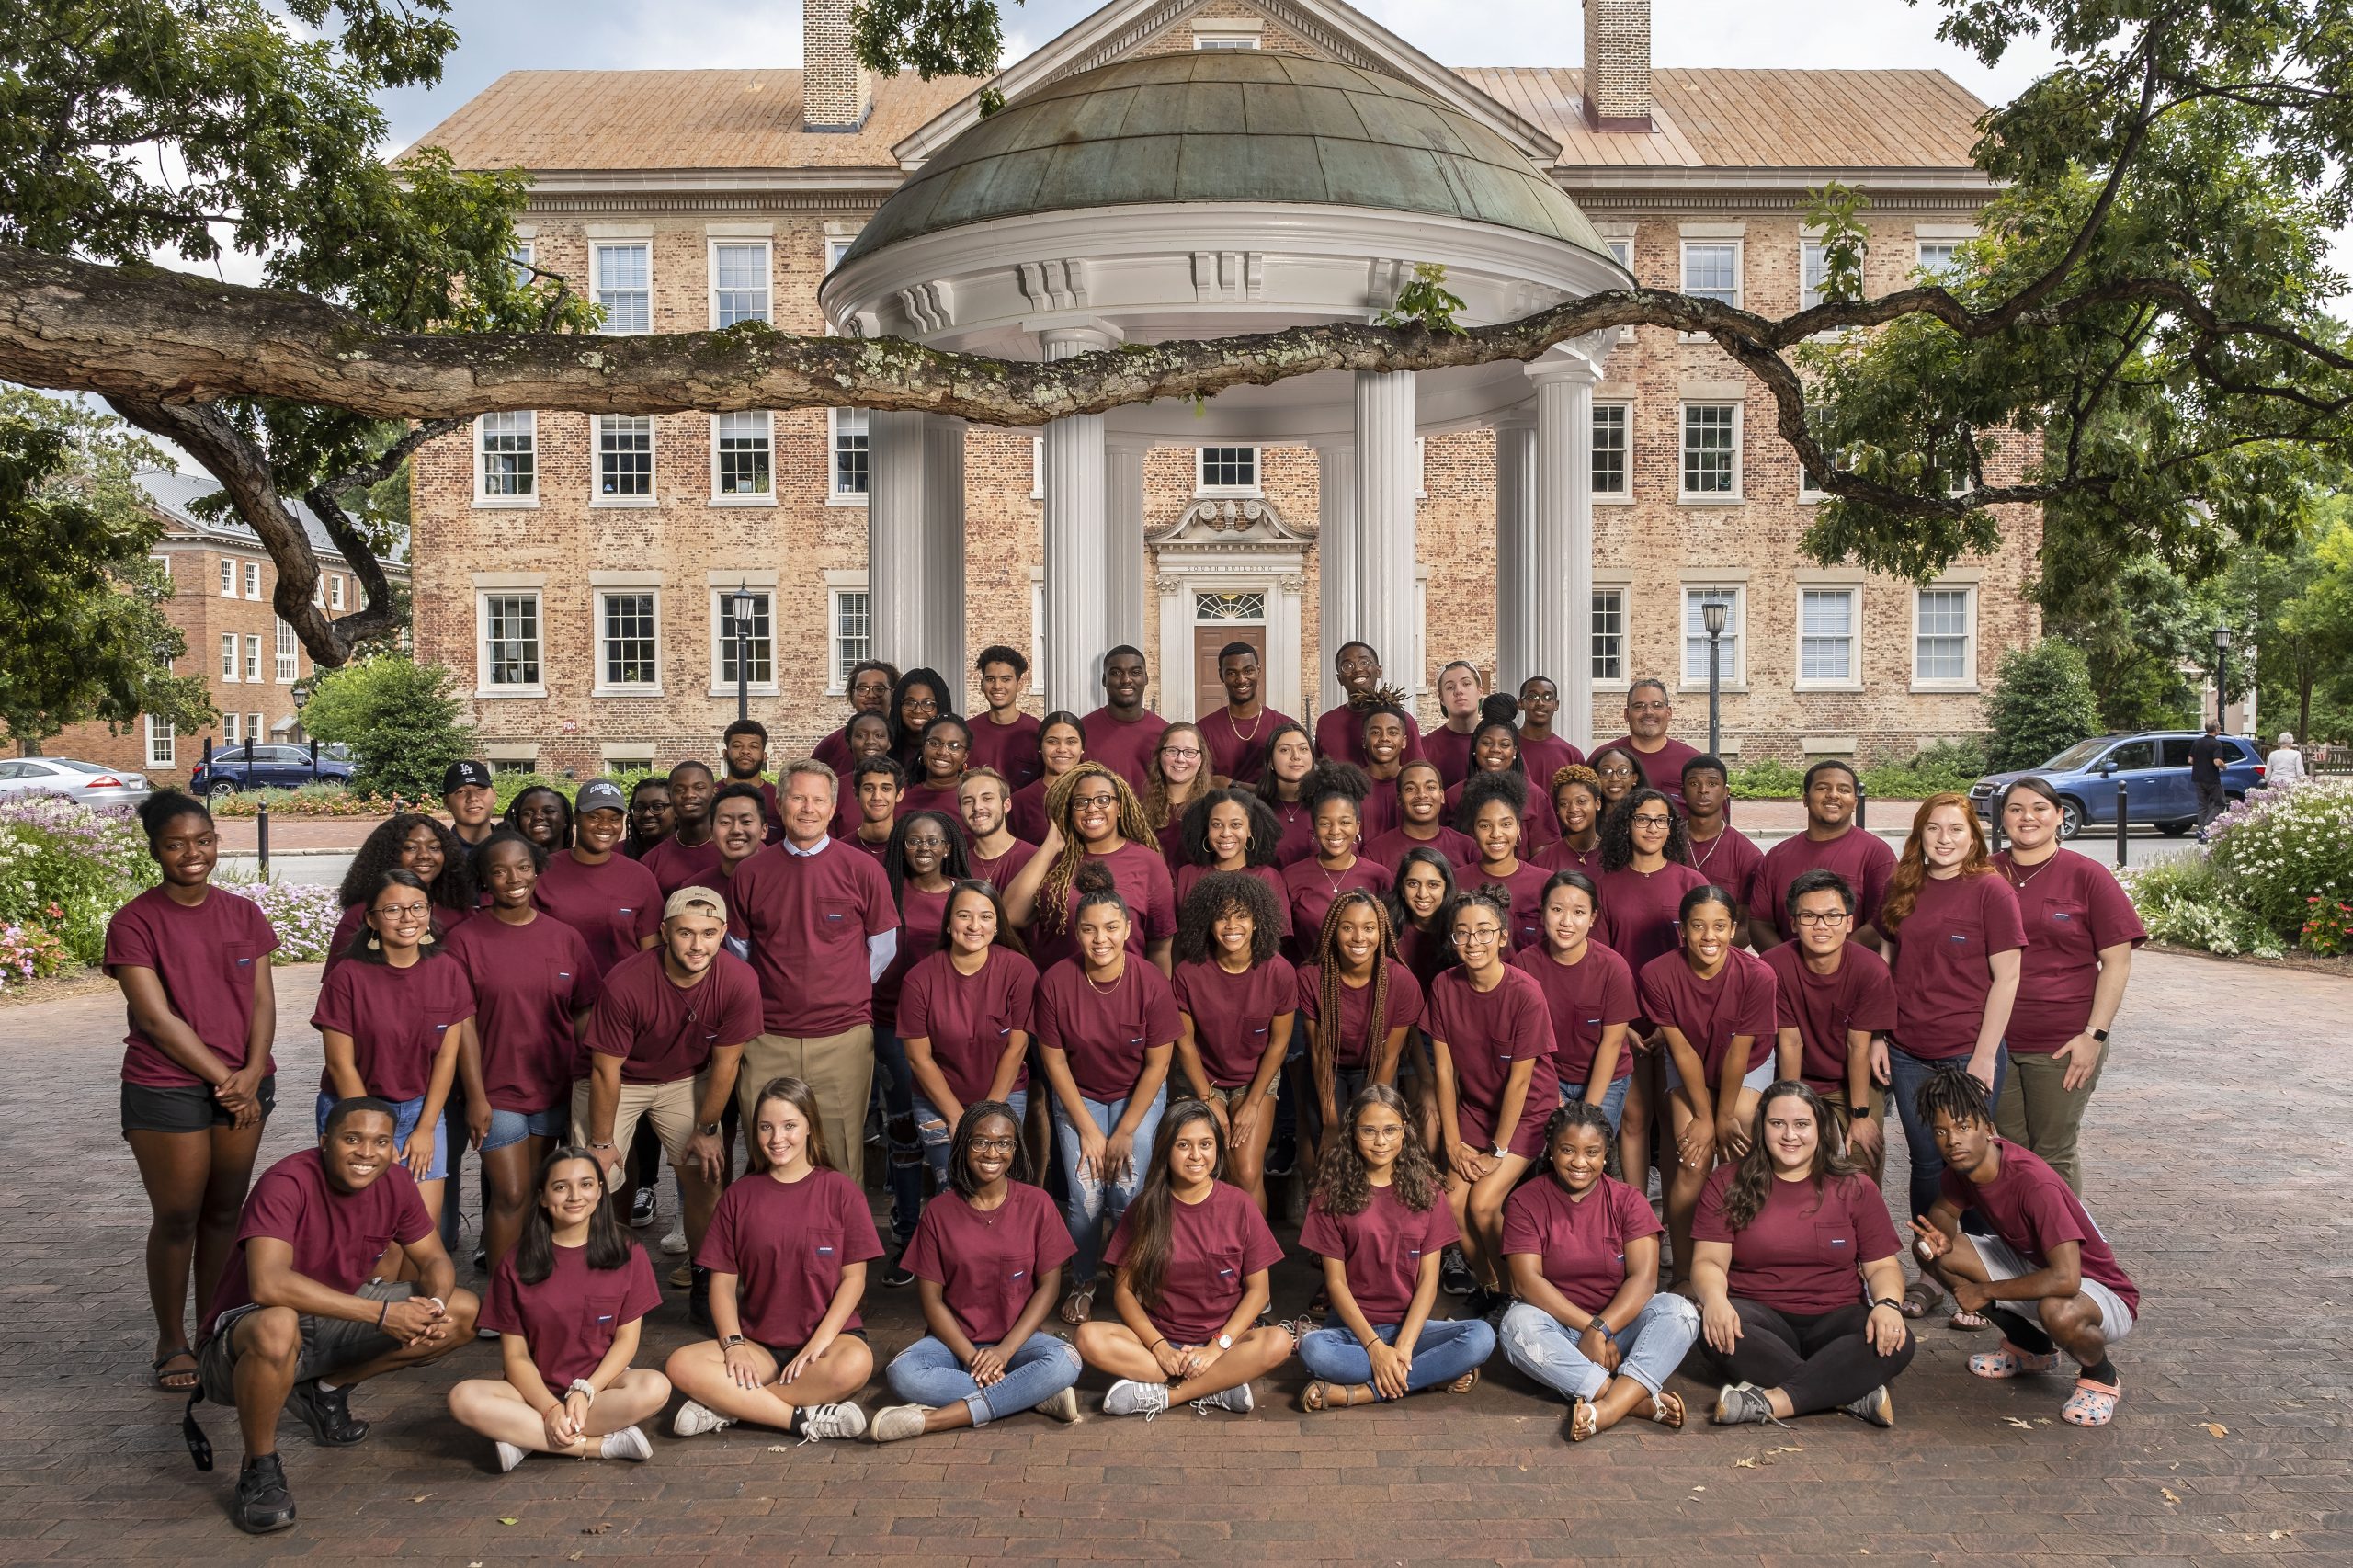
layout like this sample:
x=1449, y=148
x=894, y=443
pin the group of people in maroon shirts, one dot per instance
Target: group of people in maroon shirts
x=1472, y=977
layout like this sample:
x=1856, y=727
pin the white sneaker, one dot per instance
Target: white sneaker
x=509, y=1456
x=693, y=1420
x=676, y=1242
x=819, y=1422
x=1062, y=1405
x=1129, y=1397
x=899, y=1421
x=1237, y=1399
x=629, y=1443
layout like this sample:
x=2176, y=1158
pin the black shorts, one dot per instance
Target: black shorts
x=184, y=1108
x=785, y=1353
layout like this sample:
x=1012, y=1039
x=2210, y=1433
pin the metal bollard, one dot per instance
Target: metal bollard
x=261, y=837
x=2122, y=791
x=1862, y=806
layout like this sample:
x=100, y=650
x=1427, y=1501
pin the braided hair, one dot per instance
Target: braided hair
x=1054, y=914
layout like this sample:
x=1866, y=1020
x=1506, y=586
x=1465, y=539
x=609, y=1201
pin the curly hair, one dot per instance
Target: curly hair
x=1151, y=1214
x=1510, y=786
x=1324, y=1041
x=1212, y=898
x=894, y=854
x=1061, y=879
x=1912, y=867
x=1575, y=773
x=1618, y=830
x=1753, y=1179
x=1492, y=897
x=381, y=852
x=1344, y=1188
x=1332, y=778
x=1266, y=831
x=1157, y=807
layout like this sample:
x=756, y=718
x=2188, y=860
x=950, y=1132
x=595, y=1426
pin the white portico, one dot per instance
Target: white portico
x=1208, y=195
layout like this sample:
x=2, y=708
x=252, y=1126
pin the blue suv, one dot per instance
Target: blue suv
x=274, y=765
x=2155, y=768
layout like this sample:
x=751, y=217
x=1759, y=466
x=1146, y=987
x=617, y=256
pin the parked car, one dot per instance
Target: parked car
x=85, y=781
x=272, y=767
x=2153, y=765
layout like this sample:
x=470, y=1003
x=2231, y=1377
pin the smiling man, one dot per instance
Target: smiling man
x=1236, y=734
x=1122, y=733
x=1340, y=731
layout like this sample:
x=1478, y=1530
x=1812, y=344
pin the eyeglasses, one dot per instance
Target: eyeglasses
x=1809, y=917
x=1469, y=935
x=1388, y=1134
x=1646, y=819
x=406, y=911
x=994, y=1145
x=1194, y=751
x=1614, y=770
x=1095, y=802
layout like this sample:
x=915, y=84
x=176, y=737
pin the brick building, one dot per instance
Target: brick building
x=222, y=582
x=576, y=570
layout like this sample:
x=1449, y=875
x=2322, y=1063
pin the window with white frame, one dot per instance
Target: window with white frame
x=1037, y=632
x=229, y=656
x=1944, y=636
x=522, y=254
x=510, y=638
x=622, y=280
x=624, y=457
x=334, y=590
x=1695, y=634
x=255, y=729
x=506, y=456
x=739, y=281
x=319, y=590
x=289, y=658
x=849, y=453
x=1226, y=469
x=1827, y=619
x=758, y=640
x=1036, y=468
x=849, y=614
x=1225, y=40
x=253, y=659
x=741, y=454
x=1610, y=634
x=1940, y=260
x=162, y=742
x=1813, y=271
x=1613, y=473
x=228, y=578
x=229, y=725
x=1624, y=251
x=1712, y=269
x=252, y=579
x=627, y=650
x=835, y=250
x=1710, y=449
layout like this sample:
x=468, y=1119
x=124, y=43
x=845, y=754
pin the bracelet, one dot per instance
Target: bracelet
x=581, y=1385
x=379, y=1314
x=1155, y=1346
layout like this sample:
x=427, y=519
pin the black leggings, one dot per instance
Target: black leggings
x=1821, y=1360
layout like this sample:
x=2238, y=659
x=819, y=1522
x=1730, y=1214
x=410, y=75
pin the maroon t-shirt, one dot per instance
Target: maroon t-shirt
x=1943, y=962
x=999, y=871
x=1730, y=860
x=2032, y=1208
x=1542, y=759
x=921, y=916
x=527, y=983
x=941, y=798
x=1189, y=877
x=1805, y=1251
x=1358, y=1039
x=615, y=906
x=1561, y=856
x=1381, y=1247
x=1238, y=750
x=1539, y=828
x=397, y=1019
x=1340, y=733
x=676, y=865
x=1527, y=887
x=1822, y=1008
x=987, y=1263
x=1392, y=847
x=1379, y=812
x=1144, y=885
x=1106, y=1034
x=1011, y=749
x=1123, y=745
x=1449, y=750
x=2070, y=907
x=1234, y=1014
x=1741, y=999
x=1025, y=815
x=787, y=1244
x=834, y=750
x=337, y=1236
x=665, y=1032
x=1663, y=769
x=1311, y=891
x=969, y=1019
x=1298, y=840
x=1213, y=1248
x=1581, y=1241
x=1585, y=998
x=1639, y=910
x=1486, y=1033
x=807, y=918
x=206, y=958
x=1863, y=858
x=570, y=1319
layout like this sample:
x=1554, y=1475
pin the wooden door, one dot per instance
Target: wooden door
x=1208, y=638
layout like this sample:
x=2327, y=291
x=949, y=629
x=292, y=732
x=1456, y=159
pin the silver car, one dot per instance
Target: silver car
x=85, y=781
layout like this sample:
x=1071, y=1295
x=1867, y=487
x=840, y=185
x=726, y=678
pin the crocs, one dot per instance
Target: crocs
x=2092, y=1405
x=2010, y=1361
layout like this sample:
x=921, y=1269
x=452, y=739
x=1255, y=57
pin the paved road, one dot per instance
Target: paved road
x=2218, y=1153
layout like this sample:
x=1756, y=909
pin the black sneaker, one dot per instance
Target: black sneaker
x=1454, y=1273
x=1484, y=1303
x=642, y=1205
x=1283, y=1158
x=263, y=1504
x=899, y=1275
x=327, y=1413
x=699, y=1300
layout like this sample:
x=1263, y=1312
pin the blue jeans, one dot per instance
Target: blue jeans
x=513, y=1126
x=1093, y=1208
x=406, y=1115
x=938, y=1137
x=1906, y=1072
x=895, y=1085
x=1652, y=1347
x=1613, y=1099
x=1447, y=1348
x=927, y=1372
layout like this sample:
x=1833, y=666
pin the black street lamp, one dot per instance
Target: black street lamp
x=740, y=604
x=1712, y=615
x=2221, y=676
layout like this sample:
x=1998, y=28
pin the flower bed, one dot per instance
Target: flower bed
x=2276, y=873
x=66, y=867
x=303, y=914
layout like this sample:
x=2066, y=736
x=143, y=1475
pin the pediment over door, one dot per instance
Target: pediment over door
x=1234, y=523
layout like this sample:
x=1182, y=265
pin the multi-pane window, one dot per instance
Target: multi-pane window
x=754, y=639
x=334, y=590
x=289, y=655
x=1937, y=259
x=835, y=250
x=228, y=578
x=739, y=283
x=1941, y=635
x=1826, y=634
x=1710, y=449
x=1229, y=468
x=1610, y=634
x=162, y=742
x=1712, y=269
x=252, y=579
x=1612, y=473
x=1225, y=40
x=252, y=658
x=853, y=631
x=624, y=286
x=624, y=455
x=850, y=452
x=254, y=730
x=510, y=636
x=1814, y=269
x=1695, y=634
x=229, y=723
x=741, y=455
x=626, y=631
x=521, y=255
x=1623, y=250
x=508, y=456
x=229, y=655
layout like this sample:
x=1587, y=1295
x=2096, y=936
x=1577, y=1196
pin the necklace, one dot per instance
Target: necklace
x=1114, y=990
x=1703, y=860
x=1235, y=731
x=2020, y=883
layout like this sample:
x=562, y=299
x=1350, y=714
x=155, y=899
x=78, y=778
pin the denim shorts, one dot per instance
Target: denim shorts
x=405, y=1119
x=513, y=1126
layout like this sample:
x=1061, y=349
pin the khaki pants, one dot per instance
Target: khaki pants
x=670, y=1106
x=2036, y=1111
x=840, y=1070
x=1836, y=1100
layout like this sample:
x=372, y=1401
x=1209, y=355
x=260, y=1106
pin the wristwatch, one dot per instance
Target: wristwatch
x=1500, y=1150
x=710, y=1131
x=731, y=1341
x=1225, y=1342
x=2100, y=1035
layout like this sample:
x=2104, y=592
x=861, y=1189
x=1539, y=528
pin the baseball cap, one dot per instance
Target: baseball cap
x=459, y=775
x=600, y=795
x=695, y=900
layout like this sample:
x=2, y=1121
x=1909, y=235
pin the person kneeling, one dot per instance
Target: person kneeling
x=303, y=1311
x=2045, y=1251
x=1192, y=1253
x=786, y=1250
x=567, y=1301
x=1590, y=1323
x=1380, y=1221
x=987, y=1257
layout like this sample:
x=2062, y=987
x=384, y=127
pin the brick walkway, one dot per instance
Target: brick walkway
x=2250, y=1326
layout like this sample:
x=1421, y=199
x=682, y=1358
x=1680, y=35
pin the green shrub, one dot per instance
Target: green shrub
x=1766, y=780
x=1947, y=767
x=2182, y=899
x=2279, y=850
x=401, y=720
x=305, y=800
x=2041, y=704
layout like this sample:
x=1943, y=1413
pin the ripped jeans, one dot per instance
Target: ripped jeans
x=1651, y=1346
x=938, y=1137
x=1093, y=1208
x=894, y=1086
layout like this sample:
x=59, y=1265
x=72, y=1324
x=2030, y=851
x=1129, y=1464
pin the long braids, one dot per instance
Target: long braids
x=1053, y=891
x=1324, y=1041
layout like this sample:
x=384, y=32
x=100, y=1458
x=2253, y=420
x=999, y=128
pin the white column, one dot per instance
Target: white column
x=1562, y=535
x=1515, y=579
x=943, y=534
x=1386, y=482
x=1077, y=608
x=1123, y=546
x=896, y=547
x=1336, y=535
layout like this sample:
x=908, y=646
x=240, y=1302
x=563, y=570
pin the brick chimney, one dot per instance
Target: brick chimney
x=837, y=92
x=1617, y=64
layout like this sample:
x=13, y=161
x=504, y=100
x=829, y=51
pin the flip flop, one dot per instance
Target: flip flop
x=1464, y=1384
x=2092, y=1405
x=2010, y=1361
x=1968, y=1321
x=1584, y=1420
x=1079, y=1305
x=174, y=1382
x=1667, y=1409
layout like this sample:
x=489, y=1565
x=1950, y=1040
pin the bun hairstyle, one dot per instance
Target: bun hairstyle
x=1094, y=884
x=1334, y=779
x=1499, y=707
x=165, y=807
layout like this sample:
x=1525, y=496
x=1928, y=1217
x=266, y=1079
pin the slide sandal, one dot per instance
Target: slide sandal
x=178, y=1381
x=2010, y=1361
x=2092, y=1405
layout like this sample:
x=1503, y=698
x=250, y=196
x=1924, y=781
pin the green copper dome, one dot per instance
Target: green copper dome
x=1227, y=125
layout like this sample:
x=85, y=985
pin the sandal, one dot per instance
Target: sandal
x=2092, y=1405
x=1464, y=1384
x=1667, y=1409
x=1321, y=1395
x=1584, y=1420
x=2010, y=1361
x=174, y=1382
x=1921, y=1298
x=1079, y=1305
x=1968, y=1320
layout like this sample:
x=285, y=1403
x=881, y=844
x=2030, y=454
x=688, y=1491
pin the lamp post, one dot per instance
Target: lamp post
x=739, y=604
x=2221, y=676
x=1712, y=615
